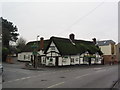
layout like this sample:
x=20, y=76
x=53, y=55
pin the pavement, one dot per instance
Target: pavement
x=116, y=85
x=83, y=76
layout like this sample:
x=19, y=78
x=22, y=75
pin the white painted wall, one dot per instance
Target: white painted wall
x=76, y=59
x=52, y=44
x=60, y=61
x=43, y=60
x=27, y=56
x=118, y=51
x=24, y=56
x=66, y=61
x=53, y=54
x=49, y=62
x=41, y=52
x=92, y=60
x=81, y=60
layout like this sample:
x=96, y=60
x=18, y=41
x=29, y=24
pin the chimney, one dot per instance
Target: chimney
x=41, y=43
x=72, y=36
x=94, y=40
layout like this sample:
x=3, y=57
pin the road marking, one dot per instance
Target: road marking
x=81, y=76
x=97, y=68
x=27, y=77
x=17, y=79
x=12, y=81
x=55, y=85
x=101, y=70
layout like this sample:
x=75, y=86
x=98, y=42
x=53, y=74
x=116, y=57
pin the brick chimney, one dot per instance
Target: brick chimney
x=72, y=36
x=94, y=40
x=41, y=43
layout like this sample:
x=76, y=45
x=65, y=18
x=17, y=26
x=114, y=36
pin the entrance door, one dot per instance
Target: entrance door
x=89, y=60
x=39, y=60
x=56, y=61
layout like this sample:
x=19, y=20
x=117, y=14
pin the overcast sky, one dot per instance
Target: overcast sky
x=85, y=19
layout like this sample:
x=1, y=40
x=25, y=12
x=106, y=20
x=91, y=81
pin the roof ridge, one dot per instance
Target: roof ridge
x=59, y=37
x=69, y=39
x=105, y=40
x=38, y=40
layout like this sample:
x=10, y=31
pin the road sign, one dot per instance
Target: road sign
x=34, y=53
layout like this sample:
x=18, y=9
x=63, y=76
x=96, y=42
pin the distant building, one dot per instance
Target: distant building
x=118, y=52
x=0, y=48
x=109, y=50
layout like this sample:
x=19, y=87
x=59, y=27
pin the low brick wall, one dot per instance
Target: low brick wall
x=108, y=59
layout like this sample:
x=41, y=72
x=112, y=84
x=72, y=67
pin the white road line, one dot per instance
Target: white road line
x=97, y=68
x=17, y=79
x=23, y=78
x=81, y=76
x=101, y=70
x=26, y=78
x=55, y=85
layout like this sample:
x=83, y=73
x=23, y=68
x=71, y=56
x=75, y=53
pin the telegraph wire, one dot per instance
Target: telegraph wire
x=81, y=18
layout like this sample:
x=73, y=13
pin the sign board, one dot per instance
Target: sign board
x=34, y=53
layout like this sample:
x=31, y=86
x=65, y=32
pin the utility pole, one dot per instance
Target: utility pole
x=35, y=52
x=36, y=60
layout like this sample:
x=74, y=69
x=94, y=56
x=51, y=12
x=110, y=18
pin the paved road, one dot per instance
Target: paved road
x=0, y=81
x=65, y=77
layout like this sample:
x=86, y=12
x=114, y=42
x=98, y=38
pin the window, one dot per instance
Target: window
x=72, y=60
x=64, y=60
x=28, y=56
x=47, y=58
x=85, y=59
x=52, y=48
x=76, y=59
x=65, y=56
x=51, y=59
x=44, y=60
x=24, y=56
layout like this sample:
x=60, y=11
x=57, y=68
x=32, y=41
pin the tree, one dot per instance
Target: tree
x=9, y=33
x=21, y=42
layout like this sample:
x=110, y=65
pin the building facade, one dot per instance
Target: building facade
x=118, y=52
x=108, y=48
x=69, y=51
x=59, y=51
